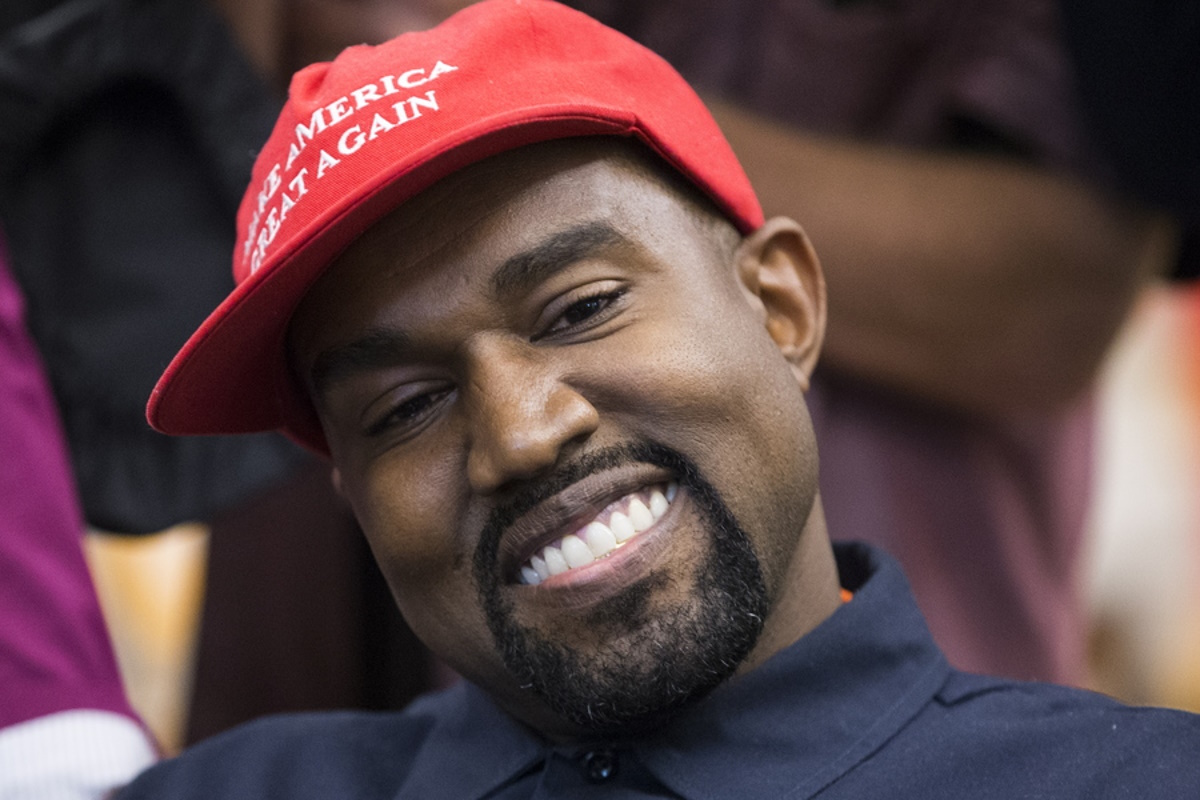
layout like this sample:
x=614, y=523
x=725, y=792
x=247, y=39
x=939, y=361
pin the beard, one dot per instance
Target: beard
x=646, y=663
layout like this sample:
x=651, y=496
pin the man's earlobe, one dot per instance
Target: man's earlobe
x=777, y=265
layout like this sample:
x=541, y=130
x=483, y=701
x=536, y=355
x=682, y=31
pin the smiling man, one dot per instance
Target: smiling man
x=559, y=471
x=508, y=276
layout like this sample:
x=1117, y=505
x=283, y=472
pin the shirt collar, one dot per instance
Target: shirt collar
x=794, y=725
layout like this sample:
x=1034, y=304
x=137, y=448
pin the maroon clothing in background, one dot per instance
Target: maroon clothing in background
x=54, y=649
x=986, y=517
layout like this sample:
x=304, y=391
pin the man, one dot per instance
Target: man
x=510, y=278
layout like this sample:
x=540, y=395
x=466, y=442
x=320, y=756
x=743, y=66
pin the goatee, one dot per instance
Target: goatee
x=662, y=660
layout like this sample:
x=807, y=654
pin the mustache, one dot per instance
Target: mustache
x=536, y=491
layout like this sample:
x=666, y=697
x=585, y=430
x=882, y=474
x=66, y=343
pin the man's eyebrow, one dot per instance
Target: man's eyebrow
x=377, y=348
x=385, y=347
x=531, y=267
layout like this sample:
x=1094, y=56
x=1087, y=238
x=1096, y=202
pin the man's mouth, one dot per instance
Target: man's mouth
x=616, y=525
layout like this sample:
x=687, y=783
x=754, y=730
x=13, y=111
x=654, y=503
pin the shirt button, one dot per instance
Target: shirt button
x=600, y=765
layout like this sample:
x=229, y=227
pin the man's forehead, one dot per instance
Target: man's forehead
x=499, y=207
x=506, y=220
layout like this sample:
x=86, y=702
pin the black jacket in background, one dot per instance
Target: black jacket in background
x=127, y=132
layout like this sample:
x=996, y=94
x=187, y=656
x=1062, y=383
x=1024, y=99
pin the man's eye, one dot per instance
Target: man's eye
x=408, y=414
x=583, y=310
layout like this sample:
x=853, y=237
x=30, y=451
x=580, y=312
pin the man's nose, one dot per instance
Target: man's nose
x=522, y=415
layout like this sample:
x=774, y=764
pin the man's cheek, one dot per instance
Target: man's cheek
x=410, y=550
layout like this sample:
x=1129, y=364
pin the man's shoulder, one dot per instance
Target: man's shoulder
x=360, y=754
x=1069, y=742
x=1000, y=701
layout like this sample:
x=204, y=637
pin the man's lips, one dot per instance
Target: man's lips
x=616, y=525
x=595, y=498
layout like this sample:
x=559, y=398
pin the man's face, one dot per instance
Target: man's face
x=582, y=462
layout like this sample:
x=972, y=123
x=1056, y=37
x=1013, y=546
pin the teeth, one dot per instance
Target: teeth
x=658, y=504
x=598, y=540
x=576, y=552
x=555, y=562
x=621, y=527
x=640, y=516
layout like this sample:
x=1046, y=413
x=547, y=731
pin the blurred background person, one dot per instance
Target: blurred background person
x=56, y=663
x=127, y=132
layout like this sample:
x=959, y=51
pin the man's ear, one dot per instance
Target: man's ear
x=777, y=266
x=335, y=476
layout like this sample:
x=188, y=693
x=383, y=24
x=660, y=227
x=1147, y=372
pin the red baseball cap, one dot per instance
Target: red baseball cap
x=360, y=135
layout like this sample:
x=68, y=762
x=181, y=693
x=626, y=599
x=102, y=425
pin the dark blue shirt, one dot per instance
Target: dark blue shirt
x=863, y=706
